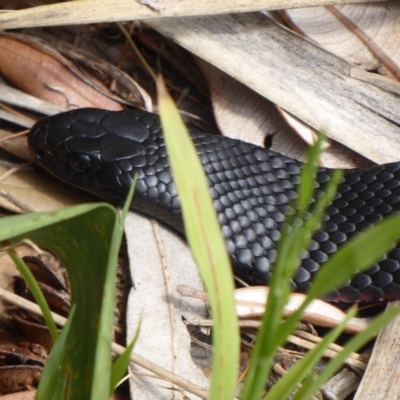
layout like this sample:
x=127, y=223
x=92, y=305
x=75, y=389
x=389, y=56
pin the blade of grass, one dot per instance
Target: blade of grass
x=102, y=366
x=355, y=256
x=351, y=346
x=296, y=236
x=285, y=386
x=204, y=236
x=266, y=343
x=128, y=202
x=312, y=224
x=36, y=292
x=307, y=175
x=121, y=363
x=79, y=236
x=48, y=380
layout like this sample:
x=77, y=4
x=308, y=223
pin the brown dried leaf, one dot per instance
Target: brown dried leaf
x=128, y=89
x=33, y=328
x=11, y=354
x=334, y=154
x=43, y=76
x=58, y=301
x=19, y=377
x=47, y=270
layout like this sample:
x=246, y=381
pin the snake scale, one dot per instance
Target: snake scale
x=252, y=187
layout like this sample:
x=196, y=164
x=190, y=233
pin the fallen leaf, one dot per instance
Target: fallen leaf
x=160, y=261
x=19, y=377
x=27, y=395
x=37, y=191
x=43, y=76
x=365, y=34
x=243, y=114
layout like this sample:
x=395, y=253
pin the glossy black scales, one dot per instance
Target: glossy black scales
x=252, y=188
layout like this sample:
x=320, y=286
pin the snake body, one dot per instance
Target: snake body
x=252, y=188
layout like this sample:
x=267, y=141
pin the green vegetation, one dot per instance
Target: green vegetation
x=86, y=238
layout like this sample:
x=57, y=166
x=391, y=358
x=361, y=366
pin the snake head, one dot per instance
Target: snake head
x=94, y=149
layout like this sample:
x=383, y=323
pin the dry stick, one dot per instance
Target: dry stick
x=14, y=169
x=18, y=203
x=20, y=99
x=84, y=12
x=13, y=136
x=11, y=110
x=137, y=51
x=13, y=200
x=352, y=361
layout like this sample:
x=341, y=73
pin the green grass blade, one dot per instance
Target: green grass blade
x=102, y=367
x=353, y=345
x=81, y=237
x=36, y=292
x=87, y=240
x=204, y=236
x=274, y=332
x=355, y=256
x=269, y=337
x=48, y=381
x=312, y=224
x=294, y=238
x=307, y=175
x=288, y=383
x=128, y=201
x=121, y=363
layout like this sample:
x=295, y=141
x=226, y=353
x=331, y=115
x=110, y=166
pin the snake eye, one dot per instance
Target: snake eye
x=80, y=162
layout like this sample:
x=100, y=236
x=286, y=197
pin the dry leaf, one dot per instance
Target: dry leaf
x=27, y=395
x=45, y=77
x=19, y=98
x=380, y=379
x=16, y=145
x=365, y=34
x=243, y=114
x=40, y=192
x=163, y=337
x=19, y=377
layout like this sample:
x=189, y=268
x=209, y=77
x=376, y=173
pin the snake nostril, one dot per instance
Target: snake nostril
x=40, y=154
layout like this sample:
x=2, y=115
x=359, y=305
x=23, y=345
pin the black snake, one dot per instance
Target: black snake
x=99, y=151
